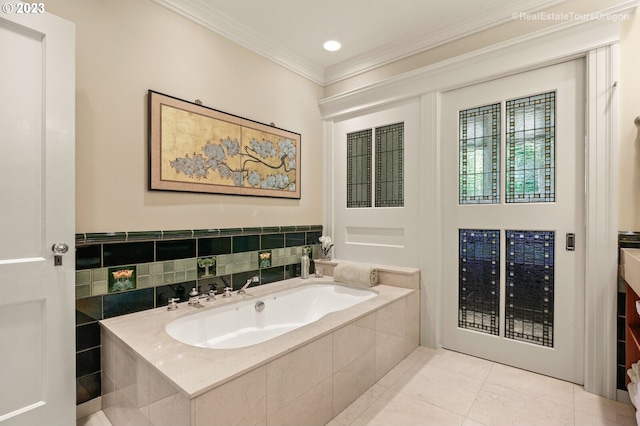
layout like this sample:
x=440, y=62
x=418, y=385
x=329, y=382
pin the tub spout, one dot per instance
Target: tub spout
x=249, y=281
x=194, y=299
x=211, y=295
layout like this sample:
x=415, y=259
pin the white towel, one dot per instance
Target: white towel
x=632, y=375
x=356, y=274
x=638, y=306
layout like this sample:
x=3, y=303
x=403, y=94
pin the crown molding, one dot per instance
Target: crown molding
x=447, y=32
x=203, y=14
x=561, y=42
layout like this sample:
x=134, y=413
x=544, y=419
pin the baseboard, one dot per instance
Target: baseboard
x=623, y=396
x=92, y=406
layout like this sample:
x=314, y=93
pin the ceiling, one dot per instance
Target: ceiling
x=372, y=32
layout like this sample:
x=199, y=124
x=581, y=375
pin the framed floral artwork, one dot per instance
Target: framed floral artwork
x=199, y=149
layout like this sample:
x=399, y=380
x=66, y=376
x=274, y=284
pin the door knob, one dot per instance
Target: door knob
x=58, y=250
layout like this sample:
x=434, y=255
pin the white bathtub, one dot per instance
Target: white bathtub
x=319, y=369
x=241, y=324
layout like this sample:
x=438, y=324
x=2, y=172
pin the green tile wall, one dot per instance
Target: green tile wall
x=163, y=264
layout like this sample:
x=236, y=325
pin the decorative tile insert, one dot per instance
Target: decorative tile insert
x=264, y=259
x=122, y=278
x=207, y=267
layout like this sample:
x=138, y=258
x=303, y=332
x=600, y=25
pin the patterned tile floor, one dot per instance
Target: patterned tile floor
x=440, y=387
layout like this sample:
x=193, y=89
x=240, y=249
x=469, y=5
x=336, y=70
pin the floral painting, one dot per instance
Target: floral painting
x=198, y=149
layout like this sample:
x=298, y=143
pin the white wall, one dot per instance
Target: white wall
x=125, y=48
x=629, y=149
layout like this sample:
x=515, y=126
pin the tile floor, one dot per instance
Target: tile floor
x=440, y=387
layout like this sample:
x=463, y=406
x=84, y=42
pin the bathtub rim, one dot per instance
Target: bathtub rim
x=252, y=294
x=144, y=333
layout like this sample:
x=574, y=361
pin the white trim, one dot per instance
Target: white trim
x=597, y=41
x=623, y=396
x=214, y=20
x=447, y=32
x=207, y=15
x=88, y=408
x=327, y=180
x=430, y=220
x=528, y=52
x=601, y=221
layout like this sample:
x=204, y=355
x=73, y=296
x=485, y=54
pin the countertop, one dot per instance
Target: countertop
x=630, y=263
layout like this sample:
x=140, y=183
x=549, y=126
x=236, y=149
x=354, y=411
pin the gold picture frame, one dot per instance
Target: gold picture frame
x=194, y=148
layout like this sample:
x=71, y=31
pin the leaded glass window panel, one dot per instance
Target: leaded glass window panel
x=389, y=165
x=530, y=145
x=359, y=168
x=479, y=154
x=529, y=286
x=479, y=280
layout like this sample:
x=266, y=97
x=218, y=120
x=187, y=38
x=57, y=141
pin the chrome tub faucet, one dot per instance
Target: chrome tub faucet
x=254, y=279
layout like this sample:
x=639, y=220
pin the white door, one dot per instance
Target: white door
x=512, y=189
x=37, y=87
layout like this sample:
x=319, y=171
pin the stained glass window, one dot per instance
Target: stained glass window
x=359, y=169
x=479, y=280
x=479, y=153
x=389, y=165
x=529, y=286
x=530, y=145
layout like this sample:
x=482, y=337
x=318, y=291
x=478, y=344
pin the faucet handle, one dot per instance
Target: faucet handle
x=172, y=303
x=227, y=292
x=194, y=292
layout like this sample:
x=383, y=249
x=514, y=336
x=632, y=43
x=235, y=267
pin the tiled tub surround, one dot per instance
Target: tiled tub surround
x=310, y=374
x=173, y=257
x=165, y=265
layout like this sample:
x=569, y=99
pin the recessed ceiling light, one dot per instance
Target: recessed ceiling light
x=332, y=45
